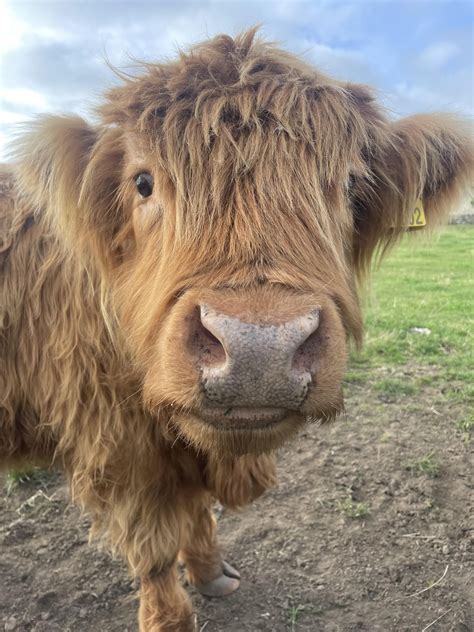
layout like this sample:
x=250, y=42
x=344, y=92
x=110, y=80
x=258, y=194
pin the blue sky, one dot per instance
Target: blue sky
x=417, y=54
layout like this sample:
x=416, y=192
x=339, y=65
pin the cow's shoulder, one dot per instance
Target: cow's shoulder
x=7, y=207
x=7, y=186
x=15, y=216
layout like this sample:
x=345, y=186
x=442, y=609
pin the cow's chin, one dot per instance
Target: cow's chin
x=238, y=431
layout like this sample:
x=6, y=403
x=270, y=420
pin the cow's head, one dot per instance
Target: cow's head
x=231, y=199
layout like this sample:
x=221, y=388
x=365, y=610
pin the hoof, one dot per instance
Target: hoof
x=229, y=570
x=223, y=585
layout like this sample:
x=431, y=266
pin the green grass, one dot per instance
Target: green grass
x=427, y=285
x=426, y=466
x=353, y=509
x=395, y=387
x=28, y=475
x=466, y=424
x=294, y=613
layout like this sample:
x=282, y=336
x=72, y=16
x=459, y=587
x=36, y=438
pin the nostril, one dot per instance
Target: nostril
x=306, y=354
x=203, y=344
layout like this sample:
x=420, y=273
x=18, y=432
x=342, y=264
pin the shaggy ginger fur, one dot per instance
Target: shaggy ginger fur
x=274, y=187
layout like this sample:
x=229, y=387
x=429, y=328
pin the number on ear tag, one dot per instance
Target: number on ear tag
x=418, y=219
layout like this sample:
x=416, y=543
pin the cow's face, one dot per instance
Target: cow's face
x=236, y=286
x=233, y=197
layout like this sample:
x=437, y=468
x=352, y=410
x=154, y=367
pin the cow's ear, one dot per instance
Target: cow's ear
x=427, y=158
x=70, y=172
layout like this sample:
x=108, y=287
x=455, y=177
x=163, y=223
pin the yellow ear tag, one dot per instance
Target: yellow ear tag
x=418, y=219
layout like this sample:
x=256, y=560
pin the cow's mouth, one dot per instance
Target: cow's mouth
x=242, y=418
x=236, y=430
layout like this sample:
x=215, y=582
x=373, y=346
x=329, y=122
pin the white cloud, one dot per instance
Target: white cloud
x=10, y=119
x=18, y=106
x=15, y=32
x=438, y=55
x=342, y=63
x=450, y=94
x=24, y=97
x=12, y=29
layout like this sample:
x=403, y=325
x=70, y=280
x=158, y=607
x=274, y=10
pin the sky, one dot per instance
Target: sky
x=418, y=54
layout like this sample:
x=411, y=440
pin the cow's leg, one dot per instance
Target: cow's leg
x=202, y=555
x=164, y=604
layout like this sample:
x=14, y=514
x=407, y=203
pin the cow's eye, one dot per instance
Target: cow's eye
x=144, y=184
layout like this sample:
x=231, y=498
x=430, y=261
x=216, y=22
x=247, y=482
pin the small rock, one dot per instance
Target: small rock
x=46, y=600
x=11, y=624
x=423, y=331
x=394, y=483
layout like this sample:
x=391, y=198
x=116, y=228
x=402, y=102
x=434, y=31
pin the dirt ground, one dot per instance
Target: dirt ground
x=363, y=533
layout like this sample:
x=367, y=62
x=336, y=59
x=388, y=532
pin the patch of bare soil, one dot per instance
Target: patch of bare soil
x=307, y=561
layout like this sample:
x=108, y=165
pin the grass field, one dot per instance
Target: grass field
x=428, y=286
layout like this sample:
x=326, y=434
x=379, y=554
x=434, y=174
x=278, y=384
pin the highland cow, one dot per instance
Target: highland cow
x=178, y=283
